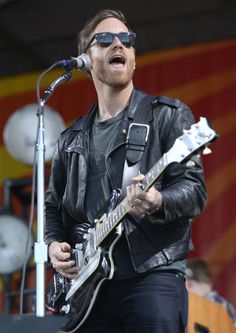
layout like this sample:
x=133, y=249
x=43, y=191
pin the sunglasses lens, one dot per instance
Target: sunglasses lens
x=105, y=39
x=124, y=38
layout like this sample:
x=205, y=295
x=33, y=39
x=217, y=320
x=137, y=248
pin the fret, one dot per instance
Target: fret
x=123, y=210
x=111, y=221
x=118, y=213
x=154, y=172
x=96, y=238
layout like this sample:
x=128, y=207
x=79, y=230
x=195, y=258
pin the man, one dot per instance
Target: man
x=147, y=292
x=199, y=281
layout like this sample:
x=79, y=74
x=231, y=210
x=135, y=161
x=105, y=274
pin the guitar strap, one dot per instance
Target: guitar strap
x=138, y=133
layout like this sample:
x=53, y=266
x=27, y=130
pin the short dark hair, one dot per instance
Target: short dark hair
x=198, y=270
x=90, y=26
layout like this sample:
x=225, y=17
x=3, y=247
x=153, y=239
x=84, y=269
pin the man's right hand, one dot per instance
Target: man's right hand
x=60, y=254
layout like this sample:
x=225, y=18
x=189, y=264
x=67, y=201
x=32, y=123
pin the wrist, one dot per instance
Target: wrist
x=157, y=206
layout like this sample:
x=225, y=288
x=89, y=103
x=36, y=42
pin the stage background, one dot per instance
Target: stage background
x=204, y=77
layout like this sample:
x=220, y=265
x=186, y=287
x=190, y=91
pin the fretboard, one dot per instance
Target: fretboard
x=116, y=216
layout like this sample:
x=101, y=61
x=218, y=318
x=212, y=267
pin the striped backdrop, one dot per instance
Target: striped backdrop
x=204, y=77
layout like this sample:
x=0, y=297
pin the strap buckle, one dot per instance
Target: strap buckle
x=132, y=127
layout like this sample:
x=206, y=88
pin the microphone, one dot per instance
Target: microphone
x=82, y=62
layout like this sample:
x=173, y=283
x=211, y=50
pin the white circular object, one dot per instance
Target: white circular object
x=13, y=241
x=21, y=128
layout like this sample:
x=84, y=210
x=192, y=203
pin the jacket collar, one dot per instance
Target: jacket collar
x=85, y=122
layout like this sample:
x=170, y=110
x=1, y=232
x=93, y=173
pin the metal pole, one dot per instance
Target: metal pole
x=40, y=248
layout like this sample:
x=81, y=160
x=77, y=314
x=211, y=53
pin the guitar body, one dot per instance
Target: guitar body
x=78, y=307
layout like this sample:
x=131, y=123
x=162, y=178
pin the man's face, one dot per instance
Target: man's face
x=113, y=65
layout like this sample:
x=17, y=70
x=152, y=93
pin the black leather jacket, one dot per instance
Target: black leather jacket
x=158, y=239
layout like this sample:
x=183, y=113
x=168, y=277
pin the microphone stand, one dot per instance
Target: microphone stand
x=40, y=248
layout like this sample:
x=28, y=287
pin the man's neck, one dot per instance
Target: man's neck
x=112, y=101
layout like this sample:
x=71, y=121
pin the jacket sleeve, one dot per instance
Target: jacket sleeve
x=54, y=228
x=182, y=188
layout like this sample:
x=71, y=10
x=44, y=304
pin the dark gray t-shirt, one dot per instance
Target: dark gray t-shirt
x=98, y=186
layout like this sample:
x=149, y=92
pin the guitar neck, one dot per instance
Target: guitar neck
x=116, y=216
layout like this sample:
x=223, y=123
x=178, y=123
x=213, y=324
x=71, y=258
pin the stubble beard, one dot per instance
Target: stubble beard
x=117, y=79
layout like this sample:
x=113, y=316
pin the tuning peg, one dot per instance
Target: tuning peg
x=190, y=164
x=86, y=236
x=207, y=151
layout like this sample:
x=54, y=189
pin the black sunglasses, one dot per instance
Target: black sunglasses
x=105, y=39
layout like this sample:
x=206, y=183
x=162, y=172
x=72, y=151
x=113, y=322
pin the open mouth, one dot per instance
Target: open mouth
x=117, y=60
